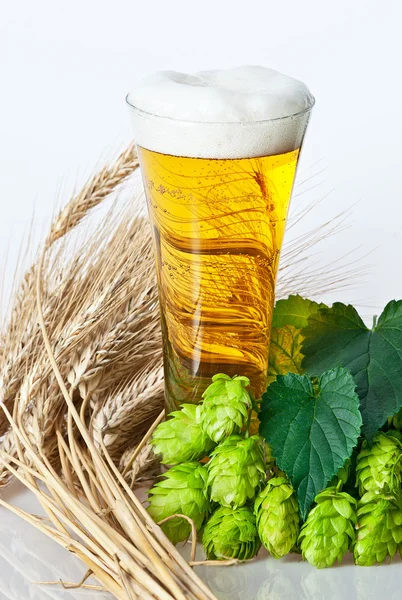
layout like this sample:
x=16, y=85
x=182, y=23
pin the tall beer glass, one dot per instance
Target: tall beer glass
x=218, y=194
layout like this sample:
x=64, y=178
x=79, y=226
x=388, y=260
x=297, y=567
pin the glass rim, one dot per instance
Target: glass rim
x=146, y=113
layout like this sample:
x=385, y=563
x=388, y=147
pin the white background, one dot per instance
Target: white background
x=66, y=67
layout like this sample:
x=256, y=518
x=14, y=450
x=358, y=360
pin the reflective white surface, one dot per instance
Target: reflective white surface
x=28, y=557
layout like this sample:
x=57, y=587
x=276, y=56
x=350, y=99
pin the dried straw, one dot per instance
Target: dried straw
x=22, y=336
x=81, y=382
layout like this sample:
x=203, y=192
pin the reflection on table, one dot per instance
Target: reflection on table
x=28, y=557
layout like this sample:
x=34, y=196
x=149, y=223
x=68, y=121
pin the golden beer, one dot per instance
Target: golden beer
x=218, y=229
x=218, y=205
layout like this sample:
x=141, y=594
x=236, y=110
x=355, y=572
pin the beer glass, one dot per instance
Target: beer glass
x=218, y=214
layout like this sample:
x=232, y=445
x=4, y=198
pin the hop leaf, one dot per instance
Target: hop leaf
x=338, y=336
x=294, y=311
x=284, y=352
x=231, y=533
x=379, y=528
x=236, y=470
x=289, y=317
x=181, y=439
x=277, y=514
x=312, y=427
x=378, y=468
x=225, y=407
x=329, y=529
x=182, y=491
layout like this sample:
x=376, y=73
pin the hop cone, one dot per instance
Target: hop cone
x=278, y=519
x=328, y=531
x=379, y=468
x=231, y=533
x=396, y=421
x=181, y=439
x=342, y=475
x=182, y=491
x=269, y=459
x=379, y=528
x=236, y=470
x=225, y=407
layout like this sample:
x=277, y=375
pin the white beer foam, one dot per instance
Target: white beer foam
x=234, y=113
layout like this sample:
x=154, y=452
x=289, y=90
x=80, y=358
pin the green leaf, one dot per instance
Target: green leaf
x=338, y=336
x=294, y=311
x=312, y=428
x=285, y=351
x=286, y=339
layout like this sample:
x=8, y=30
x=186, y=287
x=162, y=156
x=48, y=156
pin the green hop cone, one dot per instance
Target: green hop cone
x=277, y=514
x=329, y=531
x=236, y=470
x=181, y=439
x=225, y=407
x=231, y=533
x=182, y=491
x=342, y=475
x=378, y=468
x=379, y=528
x=269, y=459
x=396, y=422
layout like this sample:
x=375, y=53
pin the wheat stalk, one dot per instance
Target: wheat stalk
x=118, y=288
x=80, y=386
x=22, y=334
x=120, y=417
x=96, y=189
x=130, y=562
x=139, y=468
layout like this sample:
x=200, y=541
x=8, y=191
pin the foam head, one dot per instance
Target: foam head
x=235, y=113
